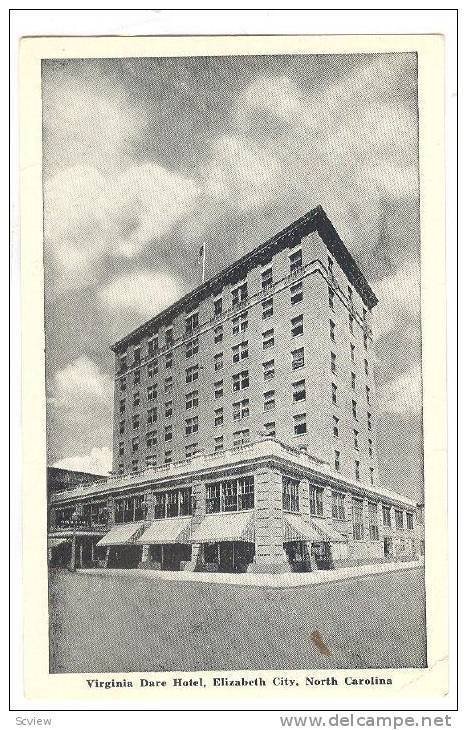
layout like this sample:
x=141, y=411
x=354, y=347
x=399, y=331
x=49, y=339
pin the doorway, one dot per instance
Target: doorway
x=387, y=547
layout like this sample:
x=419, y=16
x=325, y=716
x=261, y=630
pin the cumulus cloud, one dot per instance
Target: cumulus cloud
x=79, y=382
x=98, y=461
x=403, y=395
x=399, y=297
x=145, y=293
x=90, y=215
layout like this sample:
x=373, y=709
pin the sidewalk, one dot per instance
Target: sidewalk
x=279, y=580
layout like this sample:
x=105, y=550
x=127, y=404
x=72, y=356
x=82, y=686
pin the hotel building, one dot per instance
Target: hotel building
x=244, y=431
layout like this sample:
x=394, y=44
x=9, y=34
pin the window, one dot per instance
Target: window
x=351, y=323
x=152, y=346
x=240, y=352
x=338, y=505
x=298, y=390
x=354, y=409
x=373, y=520
x=218, y=334
x=218, y=443
x=169, y=337
x=349, y=292
x=370, y=447
x=297, y=325
x=169, y=360
x=151, y=461
x=368, y=418
x=152, y=392
x=409, y=520
x=268, y=308
x=332, y=330
x=217, y=307
x=192, y=374
x=135, y=443
x=266, y=278
x=192, y=347
x=357, y=471
x=330, y=264
x=352, y=352
x=298, y=358
x=121, y=448
x=168, y=409
x=268, y=370
x=123, y=384
x=239, y=294
x=152, y=369
x=121, y=427
x=230, y=495
x=316, y=500
x=366, y=366
x=269, y=400
x=372, y=475
x=122, y=406
x=218, y=361
x=337, y=460
x=151, y=440
x=334, y=393
x=173, y=502
x=191, y=425
x=353, y=381
x=335, y=427
x=122, y=366
x=355, y=439
x=331, y=298
x=219, y=389
x=240, y=380
x=296, y=293
x=131, y=509
x=152, y=415
x=399, y=519
x=357, y=519
x=167, y=457
x=135, y=421
x=367, y=389
x=268, y=339
x=191, y=400
x=137, y=377
x=240, y=323
x=333, y=362
x=136, y=399
x=191, y=323
x=168, y=384
x=386, y=516
x=270, y=429
x=290, y=501
x=365, y=341
x=364, y=314
x=241, y=409
x=241, y=437
x=218, y=417
x=137, y=355
x=299, y=427
x=168, y=434
x=190, y=450
x=295, y=261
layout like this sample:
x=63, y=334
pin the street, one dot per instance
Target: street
x=128, y=624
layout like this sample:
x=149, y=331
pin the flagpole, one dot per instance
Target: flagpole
x=203, y=265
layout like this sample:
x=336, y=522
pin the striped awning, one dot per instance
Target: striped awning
x=123, y=534
x=56, y=541
x=225, y=527
x=328, y=533
x=167, y=532
x=296, y=529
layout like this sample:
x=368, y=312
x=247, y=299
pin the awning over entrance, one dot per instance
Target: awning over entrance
x=122, y=534
x=296, y=530
x=225, y=527
x=166, y=532
x=56, y=541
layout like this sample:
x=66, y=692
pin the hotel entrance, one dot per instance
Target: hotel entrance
x=229, y=557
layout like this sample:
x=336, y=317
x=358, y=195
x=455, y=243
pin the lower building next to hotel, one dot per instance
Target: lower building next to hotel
x=261, y=507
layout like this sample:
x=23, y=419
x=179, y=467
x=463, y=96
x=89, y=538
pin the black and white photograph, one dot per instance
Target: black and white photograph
x=235, y=474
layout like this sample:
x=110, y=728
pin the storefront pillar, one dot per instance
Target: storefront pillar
x=270, y=556
x=198, y=495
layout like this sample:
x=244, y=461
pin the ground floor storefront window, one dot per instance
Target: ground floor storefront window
x=124, y=556
x=228, y=557
x=170, y=557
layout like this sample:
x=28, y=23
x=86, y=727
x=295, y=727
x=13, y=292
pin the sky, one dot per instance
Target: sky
x=145, y=159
